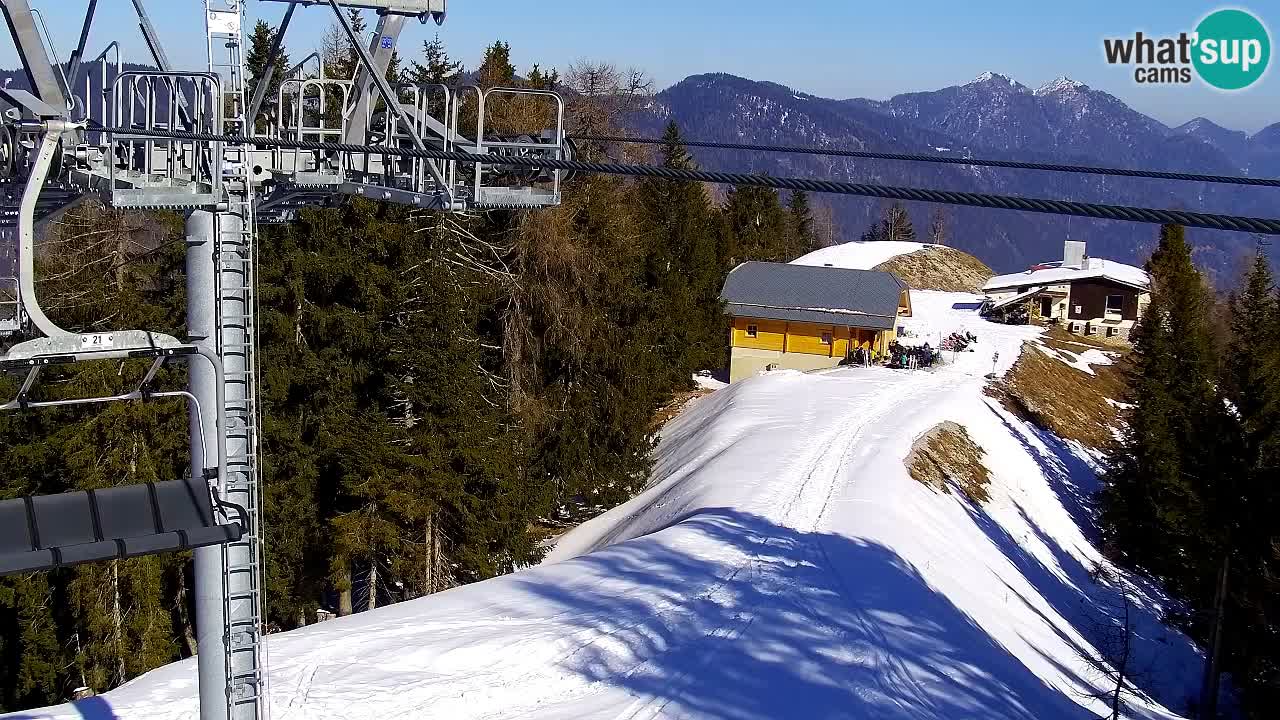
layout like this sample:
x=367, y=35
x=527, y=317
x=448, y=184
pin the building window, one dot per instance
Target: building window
x=753, y=331
x=1115, y=304
x=826, y=338
x=1078, y=310
x=1111, y=332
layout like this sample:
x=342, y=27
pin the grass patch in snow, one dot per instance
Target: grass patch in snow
x=1043, y=388
x=1059, y=339
x=938, y=267
x=946, y=455
x=679, y=403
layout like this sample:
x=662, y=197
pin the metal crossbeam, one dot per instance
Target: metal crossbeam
x=269, y=72
x=421, y=9
x=36, y=64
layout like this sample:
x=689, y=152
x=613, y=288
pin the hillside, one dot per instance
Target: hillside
x=920, y=265
x=939, y=267
x=781, y=563
x=992, y=116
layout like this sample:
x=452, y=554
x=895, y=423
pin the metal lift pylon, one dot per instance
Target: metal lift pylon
x=56, y=146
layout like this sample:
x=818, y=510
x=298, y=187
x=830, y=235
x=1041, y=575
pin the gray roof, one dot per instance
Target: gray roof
x=803, y=293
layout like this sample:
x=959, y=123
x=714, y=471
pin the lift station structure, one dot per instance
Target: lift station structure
x=78, y=128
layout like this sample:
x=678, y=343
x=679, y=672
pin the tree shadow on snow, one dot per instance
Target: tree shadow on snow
x=1070, y=477
x=1164, y=662
x=777, y=623
x=90, y=708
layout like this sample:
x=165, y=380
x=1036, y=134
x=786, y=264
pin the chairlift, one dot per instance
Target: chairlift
x=54, y=531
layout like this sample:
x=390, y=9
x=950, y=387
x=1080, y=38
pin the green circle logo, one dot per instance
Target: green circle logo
x=1232, y=49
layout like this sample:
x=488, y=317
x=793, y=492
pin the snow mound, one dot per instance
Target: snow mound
x=859, y=255
x=707, y=381
x=1082, y=361
x=781, y=564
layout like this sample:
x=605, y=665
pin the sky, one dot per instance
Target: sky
x=831, y=48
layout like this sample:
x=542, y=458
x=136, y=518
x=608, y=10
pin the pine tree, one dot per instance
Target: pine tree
x=586, y=375
x=682, y=270
x=877, y=231
x=496, y=69
x=542, y=80
x=1171, y=464
x=437, y=67
x=801, y=237
x=256, y=65
x=1251, y=377
x=756, y=225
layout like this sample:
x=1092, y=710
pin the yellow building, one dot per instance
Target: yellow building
x=806, y=318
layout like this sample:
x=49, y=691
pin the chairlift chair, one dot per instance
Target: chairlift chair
x=53, y=531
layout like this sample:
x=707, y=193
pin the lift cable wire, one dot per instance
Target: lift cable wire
x=1211, y=221
x=839, y=152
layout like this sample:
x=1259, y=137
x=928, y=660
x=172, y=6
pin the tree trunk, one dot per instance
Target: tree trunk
x=373, y=585
x=344, y=595
x=1212, y=671
x=182, y=615
x=1122, y=667
x=117, y=621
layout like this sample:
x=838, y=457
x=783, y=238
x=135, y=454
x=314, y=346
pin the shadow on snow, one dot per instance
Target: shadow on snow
x=796, y=625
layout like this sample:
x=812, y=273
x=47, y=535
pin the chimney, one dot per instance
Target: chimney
x=1073, y=254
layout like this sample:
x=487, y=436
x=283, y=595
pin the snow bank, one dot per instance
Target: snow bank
x=859, y=255
x=1082, y=361
x=781, y=564
x=705, y=380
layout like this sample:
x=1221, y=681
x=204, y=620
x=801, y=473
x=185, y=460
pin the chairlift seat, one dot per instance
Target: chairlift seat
x=51, y=531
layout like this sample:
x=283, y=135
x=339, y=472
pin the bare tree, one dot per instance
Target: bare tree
x=1115, y=665
x=826, y=230
x=938, y=231
x=602, y=94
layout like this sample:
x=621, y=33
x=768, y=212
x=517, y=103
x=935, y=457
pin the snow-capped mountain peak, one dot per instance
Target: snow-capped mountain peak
x=1061, y=84
x=996, y=80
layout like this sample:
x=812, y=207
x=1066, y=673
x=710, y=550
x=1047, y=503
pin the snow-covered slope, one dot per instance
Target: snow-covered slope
x=859, y=255
x=782, y=564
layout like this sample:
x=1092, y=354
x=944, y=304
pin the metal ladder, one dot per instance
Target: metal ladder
x=237, y=345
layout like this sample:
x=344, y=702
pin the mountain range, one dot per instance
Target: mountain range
x=992, y=116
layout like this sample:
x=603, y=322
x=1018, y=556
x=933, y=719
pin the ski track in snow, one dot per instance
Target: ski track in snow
x=780, y=564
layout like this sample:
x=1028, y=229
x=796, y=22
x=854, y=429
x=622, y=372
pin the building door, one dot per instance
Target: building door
x=1046, y=307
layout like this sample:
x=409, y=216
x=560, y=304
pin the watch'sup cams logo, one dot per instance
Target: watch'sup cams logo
x=1229, y=50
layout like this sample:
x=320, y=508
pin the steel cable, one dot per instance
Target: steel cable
x=909, y=157
x=1212, y=221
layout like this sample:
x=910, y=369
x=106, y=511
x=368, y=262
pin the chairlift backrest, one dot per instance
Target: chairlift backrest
x=52, y=531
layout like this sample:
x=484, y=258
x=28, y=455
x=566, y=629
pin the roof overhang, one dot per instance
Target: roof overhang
x=821, y=316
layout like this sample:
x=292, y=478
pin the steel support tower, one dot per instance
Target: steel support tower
x=63, y=136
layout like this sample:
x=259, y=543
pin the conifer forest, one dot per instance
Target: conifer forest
x=441, y=392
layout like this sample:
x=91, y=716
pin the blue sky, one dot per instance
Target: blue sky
x=834, y=48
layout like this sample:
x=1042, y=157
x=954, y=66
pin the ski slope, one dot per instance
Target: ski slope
x=781, y=564
x=860, y=255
